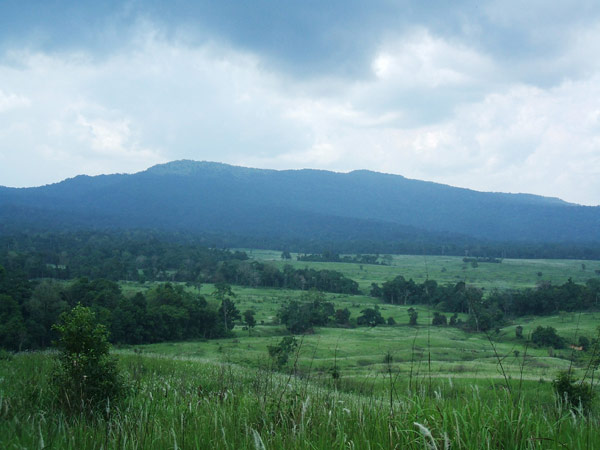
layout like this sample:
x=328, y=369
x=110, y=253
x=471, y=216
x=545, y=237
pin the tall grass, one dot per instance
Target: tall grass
x=181, y=403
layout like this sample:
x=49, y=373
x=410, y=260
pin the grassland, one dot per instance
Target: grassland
x=189, y=402
x=395, y=386
x=511, y=273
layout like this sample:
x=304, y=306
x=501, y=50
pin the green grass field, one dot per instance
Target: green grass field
x=511, y=273
x=395, y=387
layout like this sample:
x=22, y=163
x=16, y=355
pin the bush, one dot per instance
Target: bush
x=87, y=377
x=547, y=337
x=281, y=352
x=413, y=315
x=439, y=320
x=5, y=355
x=576, y=394
x=371, y=317
x=519, y=332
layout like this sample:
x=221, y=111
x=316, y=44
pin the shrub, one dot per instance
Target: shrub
x=439, y=319
x=281, y=352
x=413, y=315
x=5, y=355
x=519, y=332
x=371, y=317
x=87, y=377
x=576, y=394
x=547, y=336
x=584, y=343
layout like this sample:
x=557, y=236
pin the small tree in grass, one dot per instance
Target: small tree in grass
x=547, y=337
x=577, y=394
x=439, y=320
x=371, y=317
x=249, y=319
x=87, y=377
x=519, y=332
x=281, y=352
x=413, y=315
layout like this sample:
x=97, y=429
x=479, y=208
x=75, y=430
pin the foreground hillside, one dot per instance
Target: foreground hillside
x=299, y=207
x=190, y=403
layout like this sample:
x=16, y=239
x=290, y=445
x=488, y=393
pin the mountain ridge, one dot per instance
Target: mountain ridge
x=204, y=196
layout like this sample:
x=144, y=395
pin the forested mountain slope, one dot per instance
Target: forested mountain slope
x=295, y=204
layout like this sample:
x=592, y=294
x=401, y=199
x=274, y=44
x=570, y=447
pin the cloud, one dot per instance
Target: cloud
x=10, y=101
x=420, y=60
x=432, y=107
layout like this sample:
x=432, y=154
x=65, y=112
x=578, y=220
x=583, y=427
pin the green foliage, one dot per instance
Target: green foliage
x=547, y=337
x=87, y=377
x=519, y=332
x=342, y=316
x=454, y=320
x=228, y=314
x=370, y=317
x=5, y=355
x=439, y=319
x=301, y=316
x=577, y=394
x=584, y=343
x=12, y=325
x=281, y=352
x=413, y=315
x=249, y=319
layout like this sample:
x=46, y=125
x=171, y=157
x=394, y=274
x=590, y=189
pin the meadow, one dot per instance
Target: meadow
x=398, y=386
x=511, y=273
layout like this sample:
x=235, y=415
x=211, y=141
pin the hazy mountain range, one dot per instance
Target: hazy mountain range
x=306, y=205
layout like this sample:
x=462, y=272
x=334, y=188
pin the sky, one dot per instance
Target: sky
x=488, y=95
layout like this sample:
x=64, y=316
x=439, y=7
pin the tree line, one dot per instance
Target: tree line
x=493, y=310
x=328, y=256
x=165, y=312
x=142, y=256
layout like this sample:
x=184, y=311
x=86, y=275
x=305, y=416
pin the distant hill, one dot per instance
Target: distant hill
x=300, y=205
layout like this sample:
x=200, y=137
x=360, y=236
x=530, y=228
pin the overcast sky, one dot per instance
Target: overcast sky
x=495, y=96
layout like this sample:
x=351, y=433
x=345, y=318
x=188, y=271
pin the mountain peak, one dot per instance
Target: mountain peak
x=183, y=167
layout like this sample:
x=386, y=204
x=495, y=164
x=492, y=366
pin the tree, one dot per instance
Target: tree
x=439, y=319
x=249, y=320
x=280, y=353
x=313, y=310
x=228, y=311
x=87, y=377
x=371, y=317
x=43, y=310
x=12, y=326
x=342, y=316
x=519, y=332
x=413, y=315
x=454, y=320
x=584, y=343
x=547, y=337
x=575, y=393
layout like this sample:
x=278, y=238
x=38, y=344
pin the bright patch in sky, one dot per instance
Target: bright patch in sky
x=491, y=96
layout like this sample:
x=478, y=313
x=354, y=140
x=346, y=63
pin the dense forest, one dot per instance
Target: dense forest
x=358, y=212
x=143, y=256
x=165, y=312
x=495, y=308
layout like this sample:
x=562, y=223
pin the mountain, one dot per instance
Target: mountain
x=306, y=205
